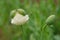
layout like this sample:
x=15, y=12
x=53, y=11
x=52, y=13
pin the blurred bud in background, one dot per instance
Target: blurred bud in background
x=50, y=19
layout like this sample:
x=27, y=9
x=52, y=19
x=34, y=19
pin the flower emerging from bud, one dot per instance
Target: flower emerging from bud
x=18, y=18
x=50, y=19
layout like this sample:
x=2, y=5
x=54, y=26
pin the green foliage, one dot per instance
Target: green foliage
x=34, y=28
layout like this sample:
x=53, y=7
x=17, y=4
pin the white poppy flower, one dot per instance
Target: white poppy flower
x=19, y=19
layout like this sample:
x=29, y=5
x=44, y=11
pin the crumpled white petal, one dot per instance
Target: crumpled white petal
x=19, y=19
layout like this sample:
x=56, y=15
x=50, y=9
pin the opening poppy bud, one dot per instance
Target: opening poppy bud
x=18, y=18
x=50, y=20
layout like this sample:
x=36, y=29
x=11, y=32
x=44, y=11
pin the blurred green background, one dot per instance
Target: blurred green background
x=38, y=11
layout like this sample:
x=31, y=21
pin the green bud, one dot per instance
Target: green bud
x=50, y=20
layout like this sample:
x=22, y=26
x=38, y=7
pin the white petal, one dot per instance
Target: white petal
x=18, y=15
x=27, y=17
x=19, y=19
